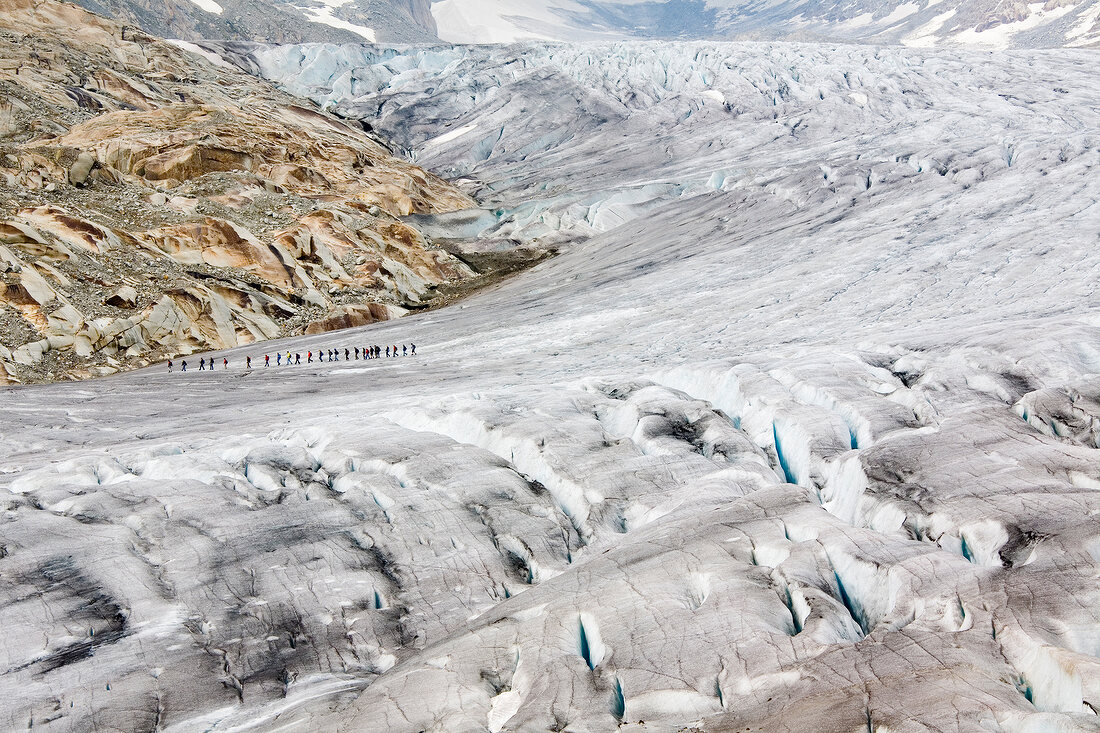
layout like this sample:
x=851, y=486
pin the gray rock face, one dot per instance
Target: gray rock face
x=274, y=21
x=798, y=432
x=124, y=297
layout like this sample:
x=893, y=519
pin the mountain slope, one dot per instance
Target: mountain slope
x=986, y=23
x=153, y=203
x=982, y=23
x=275, y=21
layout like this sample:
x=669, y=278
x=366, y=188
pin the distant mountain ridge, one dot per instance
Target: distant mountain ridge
x=919, y=23
x=914, y=23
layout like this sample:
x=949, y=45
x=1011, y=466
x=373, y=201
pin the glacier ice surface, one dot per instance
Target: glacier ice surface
x=799, y=431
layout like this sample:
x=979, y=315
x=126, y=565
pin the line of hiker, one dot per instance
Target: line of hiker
x=295, y=358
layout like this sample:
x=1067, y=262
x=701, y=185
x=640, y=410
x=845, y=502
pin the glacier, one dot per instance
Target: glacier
x=798, y=430
x=977, y=23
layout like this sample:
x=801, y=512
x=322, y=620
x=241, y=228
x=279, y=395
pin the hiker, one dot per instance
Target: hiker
x=387, y=351
x=183, y=365
x=225, y=363
x=347, y=355
x=309, y=357
x=288, y=358
x=267, y=360
x=395, y=349
x=248, y=362
x=414, y=349
x=404, y=350
x=169, y=366
x=202, y=365
x=279, y=359
x=297, y=359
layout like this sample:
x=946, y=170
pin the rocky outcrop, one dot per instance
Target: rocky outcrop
x=153, y=202
x=276, y=21
x=421, y=12
x=350, y=316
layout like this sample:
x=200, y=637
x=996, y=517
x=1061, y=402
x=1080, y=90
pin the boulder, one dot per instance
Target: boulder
x=28, y=354
x=61, y=341
x=81, y=169
x=194, y=161
x=124, y=297
x=36, y=287
x=65, y=320
x=16, y=294
x=350, y=316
